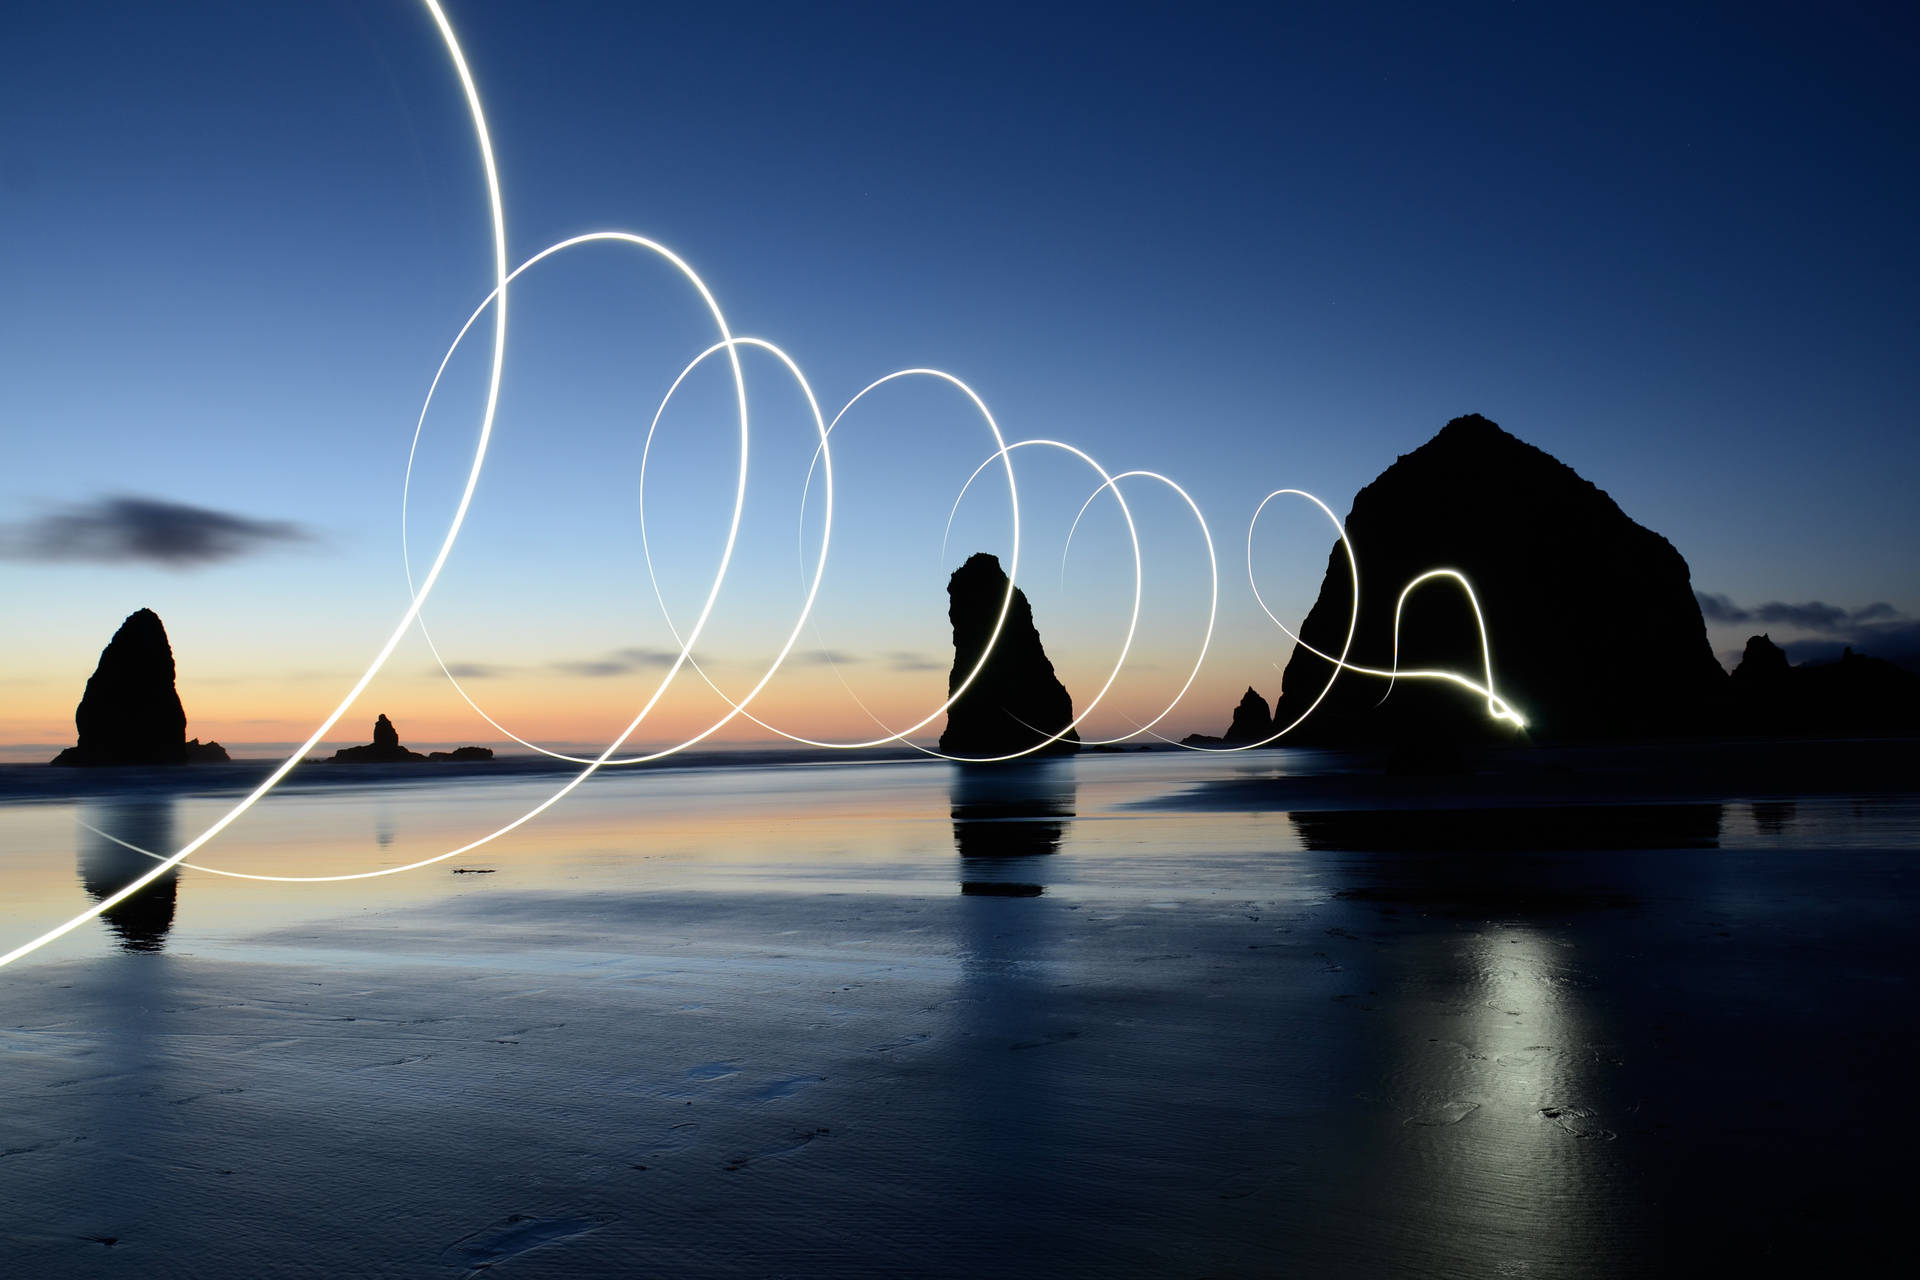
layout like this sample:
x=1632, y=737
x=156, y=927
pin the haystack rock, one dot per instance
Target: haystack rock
x=1594, y=628
x=131, y=712
x=1016, y=701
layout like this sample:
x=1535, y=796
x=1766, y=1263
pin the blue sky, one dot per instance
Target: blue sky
x=1249, y=246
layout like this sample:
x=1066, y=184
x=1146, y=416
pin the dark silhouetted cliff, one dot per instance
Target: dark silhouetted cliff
x=1856, y=694
x=1594, y=627
x=130, y=712
x=1016, y=701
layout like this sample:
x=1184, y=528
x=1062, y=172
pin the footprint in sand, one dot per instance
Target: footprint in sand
x=902, y=1043
x=678, y=1139
x=788, y=1147
x=407, y=1061
x=1057, y=1037
x=785, y=1088
x=1445, y=1114
x=512, y=1236
x=1578, y=1121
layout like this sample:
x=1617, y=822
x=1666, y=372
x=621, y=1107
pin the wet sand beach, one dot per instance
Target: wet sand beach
x=1146, y=1015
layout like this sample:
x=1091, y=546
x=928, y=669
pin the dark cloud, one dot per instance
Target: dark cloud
x=1717, y=608
x=618, y=663
x=1814, y=615
x=907, y=660
x=130, y=530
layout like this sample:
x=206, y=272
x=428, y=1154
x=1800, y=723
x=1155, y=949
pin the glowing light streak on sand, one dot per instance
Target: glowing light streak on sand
x=413, y=615
x=1497, y=706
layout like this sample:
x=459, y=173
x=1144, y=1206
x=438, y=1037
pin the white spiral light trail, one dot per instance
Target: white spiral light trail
x=413, y=615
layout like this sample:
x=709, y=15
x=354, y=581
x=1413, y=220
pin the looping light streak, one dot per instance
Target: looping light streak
x=1497, y=707
x=413, y=615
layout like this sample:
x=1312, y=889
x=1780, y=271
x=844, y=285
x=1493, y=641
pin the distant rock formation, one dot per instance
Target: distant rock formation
x=386, y=749
x=462, y=754
x=1252, y=722
x=1016, y=701
x=1594, y=627
x=130, y=712
x=1856, y=694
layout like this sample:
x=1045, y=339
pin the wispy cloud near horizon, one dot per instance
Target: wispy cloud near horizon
x=1877, y=629
x=617, y=663
x=130, y=529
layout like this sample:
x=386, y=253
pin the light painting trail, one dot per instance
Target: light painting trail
x=1497, y=707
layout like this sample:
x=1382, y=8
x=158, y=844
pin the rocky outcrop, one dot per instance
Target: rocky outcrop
x=1856, y=694
x=462, y=755
x=1016, y=701
x=386, y=749
x=1252, y=722
x=130, y=712
x=1594, y=628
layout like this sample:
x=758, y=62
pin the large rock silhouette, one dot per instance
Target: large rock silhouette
x=1594, y=628
x=1016, y=701
x=130, y=712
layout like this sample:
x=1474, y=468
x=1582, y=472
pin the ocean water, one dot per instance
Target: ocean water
x=1138, y=1014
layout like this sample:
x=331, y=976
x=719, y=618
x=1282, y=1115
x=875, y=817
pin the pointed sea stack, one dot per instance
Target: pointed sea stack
x=1016, y=701
x=1594, y=629
x=131, y=712
x=1252, y=722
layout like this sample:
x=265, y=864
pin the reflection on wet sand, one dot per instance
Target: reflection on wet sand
x=1545, y=827
x=1001, y=814
x=1011, y=1114
x=142, y=921
x=1773, y=817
